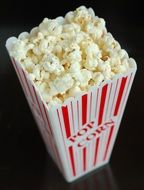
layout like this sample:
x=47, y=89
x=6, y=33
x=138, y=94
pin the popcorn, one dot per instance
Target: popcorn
x=92, y=54
x=28, y=64
x=36, y=72
x=42, y=87
x=121, y=68
x=73, y=53
x=60, y=20
x=32, y=76
x=61, y=84
x=54, y=102
x=91, y=12
x=67, y=55
x=20, y=49
x=94, y=31
x=122, y=53
x=71, y=28
x=98, y=77
x=75, y=67
x=69, y=17
x=36, y=37
x=105, y=68
x=34, y=31
x=50, y=27
x=82, y=77
x=43, y=46
x=82, y=15
x=74, y=91
x=52, y=64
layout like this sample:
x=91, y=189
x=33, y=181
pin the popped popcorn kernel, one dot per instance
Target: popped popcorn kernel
x=61, y=84
x=52, y=64
x=74, y=91
x=68, y=55
x=82, y=77
x=98, y=77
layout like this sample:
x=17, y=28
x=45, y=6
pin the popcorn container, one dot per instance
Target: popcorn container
x=80, y=134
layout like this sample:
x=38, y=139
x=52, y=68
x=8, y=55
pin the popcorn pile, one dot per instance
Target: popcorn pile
x=66, y=56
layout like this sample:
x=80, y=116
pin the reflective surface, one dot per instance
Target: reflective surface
x=24, y=162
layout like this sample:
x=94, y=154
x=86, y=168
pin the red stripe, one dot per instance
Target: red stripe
x=108, y=142
x=96, y=102
x=49, y=126
x=102, y=104
x=72, y=160
x=72, y=116
x=28, y=86
x=123, y=82
x=84, y=158
x=66, y=121
x=96, y=151
x=90, y=106
x=84, y=109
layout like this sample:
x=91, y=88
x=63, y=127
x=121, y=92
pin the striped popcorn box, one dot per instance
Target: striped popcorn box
x=80, y=134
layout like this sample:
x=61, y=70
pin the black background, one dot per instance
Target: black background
x=24, y=162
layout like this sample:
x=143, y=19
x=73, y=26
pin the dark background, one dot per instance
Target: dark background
x=24, y=162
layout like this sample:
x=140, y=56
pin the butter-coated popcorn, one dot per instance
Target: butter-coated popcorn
x=67, y=55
